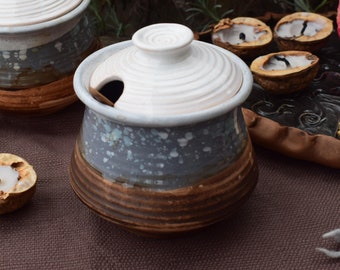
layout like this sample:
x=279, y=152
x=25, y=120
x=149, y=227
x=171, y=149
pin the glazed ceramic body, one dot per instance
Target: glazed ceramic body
x=164, y=169
x=41, y=44
x=162, y=158
x=39, y=48
x=39, y=65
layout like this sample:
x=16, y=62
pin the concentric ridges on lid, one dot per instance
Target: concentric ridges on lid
x=204, y=78
x=28, y=12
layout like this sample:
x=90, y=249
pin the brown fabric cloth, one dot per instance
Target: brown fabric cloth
x=280, y=226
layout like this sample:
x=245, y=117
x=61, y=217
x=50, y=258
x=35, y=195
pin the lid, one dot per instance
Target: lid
x=167, y=73
x=29, y=12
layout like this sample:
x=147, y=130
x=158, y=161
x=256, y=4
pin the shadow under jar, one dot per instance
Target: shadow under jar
x=41, y=45
x=171, y=154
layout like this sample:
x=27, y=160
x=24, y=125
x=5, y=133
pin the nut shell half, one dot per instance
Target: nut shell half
x=303, y=31
x=24, y=190
x=299, y=69
x=244, y=36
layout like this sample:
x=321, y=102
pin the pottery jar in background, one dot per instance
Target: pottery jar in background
x=41, y=44
x=169, y=152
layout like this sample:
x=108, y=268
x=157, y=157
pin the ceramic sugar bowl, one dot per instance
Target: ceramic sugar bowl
x=41, y=44
x=163, y=148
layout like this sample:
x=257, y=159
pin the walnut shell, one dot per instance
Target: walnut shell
x=303, y=31
x=23, y=191
x=244, y=36
x=285, y=72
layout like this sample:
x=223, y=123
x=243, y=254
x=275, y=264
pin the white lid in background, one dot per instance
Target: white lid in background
x=29, y=12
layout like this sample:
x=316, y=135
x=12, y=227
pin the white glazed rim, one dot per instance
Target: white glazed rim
x=81, y=84
x=46, y=24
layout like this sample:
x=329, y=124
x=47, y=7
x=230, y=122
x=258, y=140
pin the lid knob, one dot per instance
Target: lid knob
x=163, y=38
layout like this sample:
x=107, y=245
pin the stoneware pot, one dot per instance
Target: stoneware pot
x=41, y=44
x=170, y=153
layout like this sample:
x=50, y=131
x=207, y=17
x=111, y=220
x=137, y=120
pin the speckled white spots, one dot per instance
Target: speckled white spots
x=141, y=156
x=111, y=137
x=127, y=130
x=6, y=55
x=154, y=132
x=105, y=138
x=189, y=136
x=108, y=128
x=147, y=172
x=110, y=153
x=148, y=181
x=22, y=55
x=127, y=141
x=182, y=142
x=160, y=165
x=159, y=182
x=236, y=124
x=207, y=149
x=129, y=155
x=16, y=66
x=117, y=133
x=163, y=135
x=174, y=153
x=127, y=185
x=161, y=156
x=58, y=46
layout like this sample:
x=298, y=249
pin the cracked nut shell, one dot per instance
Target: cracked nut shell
x=24, y=190
x=292, y=78
x=295, y=32
x=254, y=35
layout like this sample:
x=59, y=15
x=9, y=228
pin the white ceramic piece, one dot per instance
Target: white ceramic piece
x=173, y=154
x=28, y=12
x=26, y=24
x=167, y=73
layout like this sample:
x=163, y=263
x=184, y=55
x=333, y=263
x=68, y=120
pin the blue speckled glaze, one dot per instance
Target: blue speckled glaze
x=162, y=158
x=46, y=63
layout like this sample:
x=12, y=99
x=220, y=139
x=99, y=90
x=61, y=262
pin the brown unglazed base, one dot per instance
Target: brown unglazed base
x=38, y=100
x=169, y=213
